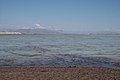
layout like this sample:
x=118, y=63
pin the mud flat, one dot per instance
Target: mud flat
x=59, y=73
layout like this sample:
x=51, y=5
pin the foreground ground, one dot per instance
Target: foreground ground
x=68, y=73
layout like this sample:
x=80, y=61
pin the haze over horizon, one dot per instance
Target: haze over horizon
x=67, y=15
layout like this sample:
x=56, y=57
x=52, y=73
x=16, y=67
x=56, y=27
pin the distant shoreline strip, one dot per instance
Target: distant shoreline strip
x=10, y=33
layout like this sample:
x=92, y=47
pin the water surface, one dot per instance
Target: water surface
x=60, y=50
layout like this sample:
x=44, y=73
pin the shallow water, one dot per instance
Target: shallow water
x=60, y=50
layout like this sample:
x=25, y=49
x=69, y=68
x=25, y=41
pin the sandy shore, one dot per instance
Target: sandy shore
x=64, y=73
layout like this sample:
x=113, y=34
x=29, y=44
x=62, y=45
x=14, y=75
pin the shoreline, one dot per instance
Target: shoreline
x=59, y=67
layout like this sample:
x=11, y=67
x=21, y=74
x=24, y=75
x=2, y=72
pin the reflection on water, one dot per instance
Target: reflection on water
x=60, y=50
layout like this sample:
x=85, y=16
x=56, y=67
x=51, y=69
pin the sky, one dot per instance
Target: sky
x=67, y=15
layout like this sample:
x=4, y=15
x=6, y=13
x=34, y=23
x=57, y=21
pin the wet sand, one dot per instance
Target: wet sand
x=58, y=73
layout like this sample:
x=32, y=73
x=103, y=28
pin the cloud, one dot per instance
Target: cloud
x=39, y=26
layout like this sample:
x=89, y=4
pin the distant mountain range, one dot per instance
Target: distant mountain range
x=46, y=31
x=37, y=31
x=108, y=32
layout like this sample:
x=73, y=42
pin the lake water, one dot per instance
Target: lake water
x=60, y=50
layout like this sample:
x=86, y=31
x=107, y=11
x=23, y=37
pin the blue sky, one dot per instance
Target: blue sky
x=68, y=15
